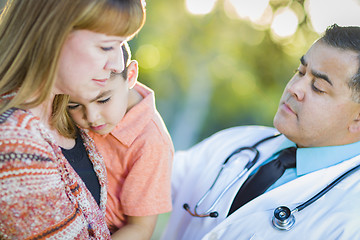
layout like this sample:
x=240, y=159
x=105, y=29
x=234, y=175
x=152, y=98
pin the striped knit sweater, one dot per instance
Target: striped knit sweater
x=41, y=196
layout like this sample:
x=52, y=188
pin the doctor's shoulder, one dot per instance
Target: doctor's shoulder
x=243, y=132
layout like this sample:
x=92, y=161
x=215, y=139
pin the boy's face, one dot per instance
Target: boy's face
x=104, y=112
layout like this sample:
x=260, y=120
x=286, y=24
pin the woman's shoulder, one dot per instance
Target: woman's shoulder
x=18, y=118
x=21, y=132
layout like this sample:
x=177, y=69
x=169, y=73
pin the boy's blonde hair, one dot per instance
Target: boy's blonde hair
x=32, y=33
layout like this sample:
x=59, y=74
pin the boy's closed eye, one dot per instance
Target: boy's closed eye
x=104, y=100
x=72, y=106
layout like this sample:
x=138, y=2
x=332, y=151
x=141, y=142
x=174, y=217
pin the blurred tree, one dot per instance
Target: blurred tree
x=211, y=72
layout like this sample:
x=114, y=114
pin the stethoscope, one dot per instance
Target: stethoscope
x=250, y=163
x=283, y=218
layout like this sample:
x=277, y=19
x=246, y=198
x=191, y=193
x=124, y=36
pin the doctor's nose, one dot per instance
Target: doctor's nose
x=296, y=87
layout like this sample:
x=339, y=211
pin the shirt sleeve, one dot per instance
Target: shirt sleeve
x=146, y=190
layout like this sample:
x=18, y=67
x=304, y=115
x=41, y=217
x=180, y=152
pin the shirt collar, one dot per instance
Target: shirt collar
x=316, y=158
x=136, y=119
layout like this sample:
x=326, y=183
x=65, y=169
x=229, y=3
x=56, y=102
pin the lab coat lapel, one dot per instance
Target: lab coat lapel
x=293, y=193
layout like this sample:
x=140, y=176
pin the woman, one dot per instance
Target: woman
x=50, y=47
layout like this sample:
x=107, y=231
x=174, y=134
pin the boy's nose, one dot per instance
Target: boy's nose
x=91, y=116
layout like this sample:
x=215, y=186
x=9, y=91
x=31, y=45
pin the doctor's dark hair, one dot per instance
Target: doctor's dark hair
x=347, y=38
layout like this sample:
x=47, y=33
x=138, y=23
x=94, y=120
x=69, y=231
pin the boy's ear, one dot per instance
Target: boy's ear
x=355, y=125
x=132, y=73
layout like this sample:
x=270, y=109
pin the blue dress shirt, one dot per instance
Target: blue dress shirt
x=312, y=159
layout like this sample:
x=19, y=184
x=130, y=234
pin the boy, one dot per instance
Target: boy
x=137, y=150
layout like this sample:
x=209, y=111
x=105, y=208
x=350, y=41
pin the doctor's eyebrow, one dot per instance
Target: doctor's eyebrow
x=302, y=60
x=315, y=73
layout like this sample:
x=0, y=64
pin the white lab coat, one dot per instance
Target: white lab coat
x=334, y=216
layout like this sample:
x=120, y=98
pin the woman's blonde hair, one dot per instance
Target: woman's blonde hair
x=32, y=33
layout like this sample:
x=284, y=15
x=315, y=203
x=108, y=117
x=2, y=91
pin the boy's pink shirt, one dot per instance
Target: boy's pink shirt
x=138, y=156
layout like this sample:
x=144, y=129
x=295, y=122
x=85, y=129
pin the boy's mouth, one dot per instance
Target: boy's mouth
x=97, y=128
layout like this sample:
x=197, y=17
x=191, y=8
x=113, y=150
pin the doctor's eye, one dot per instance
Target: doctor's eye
x=297, y=71
x=315, y=88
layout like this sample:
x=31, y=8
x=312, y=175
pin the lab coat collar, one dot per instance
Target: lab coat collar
x=316, y=158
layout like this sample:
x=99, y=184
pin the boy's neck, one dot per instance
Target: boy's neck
x=134, y=98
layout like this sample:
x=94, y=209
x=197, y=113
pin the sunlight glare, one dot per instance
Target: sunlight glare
x=200, y=7
x=285, y=23
x=324, y=13
x=252, y=10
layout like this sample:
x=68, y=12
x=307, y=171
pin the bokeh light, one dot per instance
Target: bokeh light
x=285, y=22
x=252, y=10
x=148, y=56
x=324, y=13
x=200, y=7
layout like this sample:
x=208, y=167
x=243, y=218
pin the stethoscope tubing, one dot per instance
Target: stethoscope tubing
x=242, y=173
x=326, y=189
x=247, y=167
x=284, y=219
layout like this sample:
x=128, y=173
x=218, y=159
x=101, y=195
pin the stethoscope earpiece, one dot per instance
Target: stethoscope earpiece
x=214, y=214
x=186, y=206
x=283, y=219
x=195, y=214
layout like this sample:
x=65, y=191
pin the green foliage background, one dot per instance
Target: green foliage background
x=213, y=71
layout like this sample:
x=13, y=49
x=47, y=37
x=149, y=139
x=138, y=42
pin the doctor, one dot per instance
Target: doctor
x=319, y=115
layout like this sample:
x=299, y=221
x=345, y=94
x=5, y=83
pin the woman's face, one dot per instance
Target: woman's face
x=86, y=62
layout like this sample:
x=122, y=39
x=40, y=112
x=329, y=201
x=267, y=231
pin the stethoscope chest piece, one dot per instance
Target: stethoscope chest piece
x=283, y=219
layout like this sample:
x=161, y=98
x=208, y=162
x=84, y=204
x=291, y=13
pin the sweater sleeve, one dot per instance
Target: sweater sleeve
x=33, y=199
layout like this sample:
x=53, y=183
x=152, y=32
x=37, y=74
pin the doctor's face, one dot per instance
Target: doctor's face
x=316, y=108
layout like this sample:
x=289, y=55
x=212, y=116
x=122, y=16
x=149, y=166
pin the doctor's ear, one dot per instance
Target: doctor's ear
x=132, y=73
x=355, y=126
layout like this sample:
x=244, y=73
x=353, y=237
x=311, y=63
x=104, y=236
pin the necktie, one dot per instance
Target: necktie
x=266, y=175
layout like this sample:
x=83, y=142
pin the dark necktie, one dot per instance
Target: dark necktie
x=266, y=175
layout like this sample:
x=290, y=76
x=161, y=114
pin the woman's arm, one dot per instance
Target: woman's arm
x=33, y=201
x=36, y=200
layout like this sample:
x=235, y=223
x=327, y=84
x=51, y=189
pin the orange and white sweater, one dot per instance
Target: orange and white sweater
x=41, y=196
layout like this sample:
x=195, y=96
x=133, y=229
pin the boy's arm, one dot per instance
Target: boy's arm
x=137, y=228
